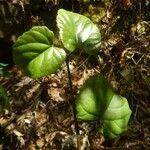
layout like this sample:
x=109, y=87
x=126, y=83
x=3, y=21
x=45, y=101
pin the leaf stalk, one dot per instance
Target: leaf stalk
x=72, y=96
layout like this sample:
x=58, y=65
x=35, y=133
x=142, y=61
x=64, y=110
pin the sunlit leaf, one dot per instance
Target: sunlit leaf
x=78, y=31
x=94, y=98
x=46, y=63
x=35, y=54
x=97, y=101
x=116, y=117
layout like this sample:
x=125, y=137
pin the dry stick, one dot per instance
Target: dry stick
x=72, y=97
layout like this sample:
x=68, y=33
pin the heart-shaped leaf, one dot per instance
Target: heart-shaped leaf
x=97, y=101
x=78, y=31
x=35, y=54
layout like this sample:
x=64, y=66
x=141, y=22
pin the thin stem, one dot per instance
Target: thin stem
x=72, y=97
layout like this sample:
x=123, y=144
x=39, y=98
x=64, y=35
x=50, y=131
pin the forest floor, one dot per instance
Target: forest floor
x=41, y=115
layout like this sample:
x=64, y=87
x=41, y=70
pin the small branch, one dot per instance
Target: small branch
x=72, y=97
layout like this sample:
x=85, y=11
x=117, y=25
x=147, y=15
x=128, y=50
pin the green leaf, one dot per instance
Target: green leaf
x=4, y=100
x=46, y=63
x=97, y=101
x=94, y=98
x=3, y=70
x=116, y=117
x=35, y=54
x=78, y=31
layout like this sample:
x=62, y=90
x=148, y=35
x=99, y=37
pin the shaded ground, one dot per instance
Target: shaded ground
x=41, y=116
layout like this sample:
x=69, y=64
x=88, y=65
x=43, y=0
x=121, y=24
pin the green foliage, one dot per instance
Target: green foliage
x=97, y=101
x=4, y=100
x=94, y=97
x=35, y=54
x=77, y=31
x=34, y=51
x=3, y=70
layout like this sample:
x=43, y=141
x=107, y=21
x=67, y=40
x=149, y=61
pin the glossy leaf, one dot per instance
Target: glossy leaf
x=94, y=98
x=35, y=54
x=78, y=31
x=115, y=118
x=97, y=101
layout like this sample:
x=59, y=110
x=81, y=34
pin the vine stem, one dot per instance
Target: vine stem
x=72, y=97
